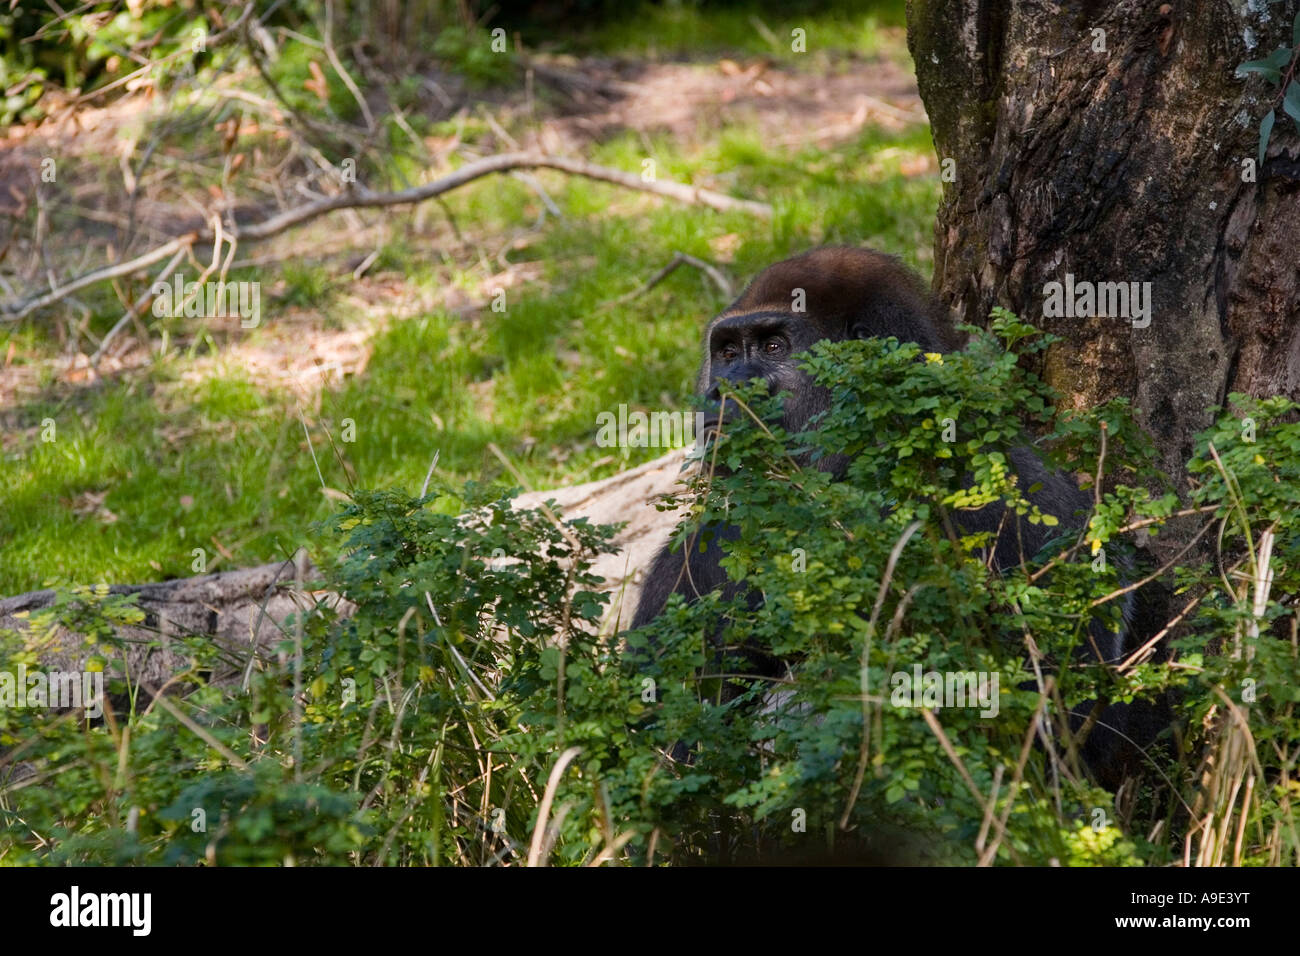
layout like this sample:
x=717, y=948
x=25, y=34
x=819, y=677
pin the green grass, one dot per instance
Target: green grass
x=179, y=464
x=671, y=29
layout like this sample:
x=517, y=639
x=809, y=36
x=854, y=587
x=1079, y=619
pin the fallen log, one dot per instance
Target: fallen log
x=240, y=610
x=244, y=611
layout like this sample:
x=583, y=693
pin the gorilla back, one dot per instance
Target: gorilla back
x=838, y=293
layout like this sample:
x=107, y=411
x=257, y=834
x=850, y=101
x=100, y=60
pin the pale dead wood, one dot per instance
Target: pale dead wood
x=245, y=610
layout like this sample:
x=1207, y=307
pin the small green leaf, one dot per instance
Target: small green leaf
x=1263, y=67
x=1291, y=102
x=1279, y=58
x=1265, y=130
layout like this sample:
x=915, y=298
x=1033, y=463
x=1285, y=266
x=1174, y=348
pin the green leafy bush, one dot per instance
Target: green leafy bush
x=475, y=707
x=88, y=47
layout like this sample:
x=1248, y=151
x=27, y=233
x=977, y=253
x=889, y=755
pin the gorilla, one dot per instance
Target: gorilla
x=851, y=293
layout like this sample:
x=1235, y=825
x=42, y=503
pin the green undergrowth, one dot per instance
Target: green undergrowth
x=476, y=708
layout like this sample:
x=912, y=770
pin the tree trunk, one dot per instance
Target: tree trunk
x=1131, y=163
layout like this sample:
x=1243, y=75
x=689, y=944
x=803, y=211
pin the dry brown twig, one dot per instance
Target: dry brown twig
x=679, y=259
x=362, y=198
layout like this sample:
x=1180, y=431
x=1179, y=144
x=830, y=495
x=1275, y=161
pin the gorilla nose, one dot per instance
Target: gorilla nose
x=719, y=413
x=735, y=375
x=715, y=397
x=725, y=411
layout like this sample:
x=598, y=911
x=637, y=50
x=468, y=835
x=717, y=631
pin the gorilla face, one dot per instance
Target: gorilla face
x=832, y=293
x=763, y=345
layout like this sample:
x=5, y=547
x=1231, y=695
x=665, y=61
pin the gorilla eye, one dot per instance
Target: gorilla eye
x=773, y=345
x=728, y=352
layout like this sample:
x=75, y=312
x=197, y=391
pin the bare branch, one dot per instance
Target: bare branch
x=364, y=198
x=679, y=259
x=31, y=304
x=359, y=198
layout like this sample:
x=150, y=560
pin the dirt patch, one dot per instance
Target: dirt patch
x=690, y=101
x=71, y=227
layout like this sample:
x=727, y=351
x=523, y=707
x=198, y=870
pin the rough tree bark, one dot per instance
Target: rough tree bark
x=1122, y=164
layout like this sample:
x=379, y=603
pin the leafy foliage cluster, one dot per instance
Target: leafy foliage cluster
x=90, y=46
x=477, y=705
x=100, y=43
x=1279, y=69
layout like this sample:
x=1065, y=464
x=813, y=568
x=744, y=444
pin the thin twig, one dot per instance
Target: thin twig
x=134, y=311
x=1118, y=592
x=335, y=62
x=864, y=750
x=231, y=757
x=679, y=259
x=361, y=198
x=104, y=274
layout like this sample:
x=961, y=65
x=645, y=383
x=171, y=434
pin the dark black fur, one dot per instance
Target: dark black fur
x=856, y=293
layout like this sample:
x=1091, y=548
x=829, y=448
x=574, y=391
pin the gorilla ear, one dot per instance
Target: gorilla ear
x=859, y=331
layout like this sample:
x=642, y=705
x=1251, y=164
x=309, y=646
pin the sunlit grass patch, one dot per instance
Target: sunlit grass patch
x=683, y=29
x=195, y=452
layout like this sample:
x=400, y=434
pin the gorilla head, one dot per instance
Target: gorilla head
x=833, y=293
